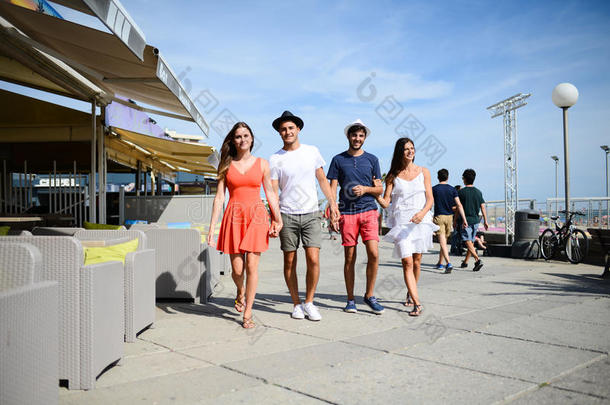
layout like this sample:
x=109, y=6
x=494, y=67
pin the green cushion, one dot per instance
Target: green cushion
x=110, y=253
x=4, y=230
x=91, y=225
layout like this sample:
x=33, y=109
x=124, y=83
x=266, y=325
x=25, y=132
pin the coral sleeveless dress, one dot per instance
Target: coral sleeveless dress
x=408, y=198
x=245, y=223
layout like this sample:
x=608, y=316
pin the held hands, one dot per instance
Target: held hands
x=335, y=216
x=358, y=190
x=275, y=229
x=417, y=218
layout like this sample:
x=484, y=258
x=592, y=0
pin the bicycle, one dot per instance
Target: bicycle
x=573, y=242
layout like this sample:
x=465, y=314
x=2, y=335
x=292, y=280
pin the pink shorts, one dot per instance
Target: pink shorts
x=366, y=223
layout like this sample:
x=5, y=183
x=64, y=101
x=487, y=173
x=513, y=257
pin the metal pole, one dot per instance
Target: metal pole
x=505, y=188
x=122, y=206
x=138, y=178
x=55, y=202
x=607, y=201
x=606, y=173
x=516, y=163
x=92, y=203
x=4, y=188
x=566, y=159
x=556, y=188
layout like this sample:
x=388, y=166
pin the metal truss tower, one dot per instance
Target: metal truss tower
x=506, y=108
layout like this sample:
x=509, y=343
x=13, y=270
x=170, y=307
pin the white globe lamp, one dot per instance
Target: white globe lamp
x=565, y=95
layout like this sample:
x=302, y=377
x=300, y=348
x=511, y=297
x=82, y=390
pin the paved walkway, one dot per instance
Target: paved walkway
x=517, y=332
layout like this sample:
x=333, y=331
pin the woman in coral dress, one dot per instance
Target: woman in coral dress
x=245, y=230
x=408, y=195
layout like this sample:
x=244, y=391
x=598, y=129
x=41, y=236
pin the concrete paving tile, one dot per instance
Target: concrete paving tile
x=266, y=394
x=551, y=396
x=502, y=356
x=148, y=366
x=351, y=324
x=388, y=378
x=140, y=347
x=190, y=387
x=256, y=342
x=590, y=311
x=554, y=331
x=592, y=379
x=531, y=306
x=193, y=330
x=298, y=361
x=478, y=319
x=403, y=337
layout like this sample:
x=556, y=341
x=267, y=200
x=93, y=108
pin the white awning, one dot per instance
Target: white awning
x=115, y=17
x=104, y=60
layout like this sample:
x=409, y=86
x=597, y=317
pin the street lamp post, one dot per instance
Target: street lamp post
x=556, y=159
x=606, y=149
x=564, y=96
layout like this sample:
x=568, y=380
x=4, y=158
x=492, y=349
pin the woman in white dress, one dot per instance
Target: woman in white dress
x=408, y=195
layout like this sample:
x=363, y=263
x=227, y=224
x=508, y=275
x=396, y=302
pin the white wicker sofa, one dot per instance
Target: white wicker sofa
x=91, y=308
x=179, y=260
x=29, y=329
x=139, y=279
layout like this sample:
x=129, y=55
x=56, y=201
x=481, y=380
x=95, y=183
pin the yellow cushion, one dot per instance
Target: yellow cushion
x=91, y=225
x=110, y=253
x=204, y=232
x=4, y=230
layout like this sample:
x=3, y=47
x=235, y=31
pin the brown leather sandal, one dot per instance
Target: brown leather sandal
x=417, y=310
x=409, y=301
x=240, y=304
x=248, y=323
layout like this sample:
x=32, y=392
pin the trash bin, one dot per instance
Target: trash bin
x=527, y=224
x=525, y=245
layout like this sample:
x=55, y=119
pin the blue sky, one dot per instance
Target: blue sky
x=441, y=63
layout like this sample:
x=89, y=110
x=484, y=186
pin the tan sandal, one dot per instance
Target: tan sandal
x=248, y=323
x=240, y=304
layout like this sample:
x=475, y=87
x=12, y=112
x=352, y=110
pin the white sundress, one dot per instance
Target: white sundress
x=408, y=198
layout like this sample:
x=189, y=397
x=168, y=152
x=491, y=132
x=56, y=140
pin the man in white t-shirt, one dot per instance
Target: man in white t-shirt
x=294, y=171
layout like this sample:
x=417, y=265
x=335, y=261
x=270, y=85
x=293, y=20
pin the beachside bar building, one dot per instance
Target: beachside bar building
x=122, y=78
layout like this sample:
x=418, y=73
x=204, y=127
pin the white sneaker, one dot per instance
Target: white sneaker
x=311, y=311
x=297, y=312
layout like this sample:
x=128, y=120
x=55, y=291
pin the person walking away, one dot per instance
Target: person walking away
x=446, y=200
x=472, y=201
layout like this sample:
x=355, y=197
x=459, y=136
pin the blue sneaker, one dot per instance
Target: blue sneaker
x=350, y=307
x=375, y=306
x=439, y=266
x=448, y=268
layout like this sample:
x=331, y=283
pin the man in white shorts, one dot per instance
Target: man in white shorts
x=294, y=171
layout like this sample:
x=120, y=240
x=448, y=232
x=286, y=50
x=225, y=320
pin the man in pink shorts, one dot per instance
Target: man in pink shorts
x=354, y=170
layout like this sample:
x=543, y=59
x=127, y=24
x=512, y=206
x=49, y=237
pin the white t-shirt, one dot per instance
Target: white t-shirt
x=296, y=172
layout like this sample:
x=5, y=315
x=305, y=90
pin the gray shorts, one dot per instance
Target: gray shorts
x=305, y=227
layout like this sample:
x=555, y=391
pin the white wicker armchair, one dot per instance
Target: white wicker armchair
x=180, y=263
x=29, y=330
x=91, y=308
x=139, y=279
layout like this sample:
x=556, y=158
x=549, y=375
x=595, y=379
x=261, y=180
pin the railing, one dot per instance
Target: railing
x=596, y=210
